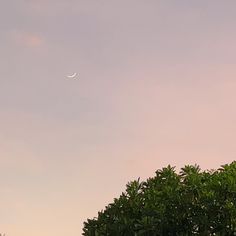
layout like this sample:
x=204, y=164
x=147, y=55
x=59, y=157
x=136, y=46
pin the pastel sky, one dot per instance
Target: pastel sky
x=157, y=86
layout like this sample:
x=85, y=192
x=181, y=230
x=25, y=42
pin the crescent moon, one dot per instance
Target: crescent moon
x=72, y=76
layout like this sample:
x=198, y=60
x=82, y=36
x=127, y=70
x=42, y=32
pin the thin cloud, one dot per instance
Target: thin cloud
x=27, y=39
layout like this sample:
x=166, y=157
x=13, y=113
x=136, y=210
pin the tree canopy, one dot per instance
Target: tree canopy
x=191, y=202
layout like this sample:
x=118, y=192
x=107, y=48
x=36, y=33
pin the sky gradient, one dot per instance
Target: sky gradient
x=156, y=86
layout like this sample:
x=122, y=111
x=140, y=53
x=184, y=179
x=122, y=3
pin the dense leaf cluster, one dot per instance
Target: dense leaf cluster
x=193, y=202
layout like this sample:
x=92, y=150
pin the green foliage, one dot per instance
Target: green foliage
x=193, y=202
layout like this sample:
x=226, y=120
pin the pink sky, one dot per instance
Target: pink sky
x=156, y=87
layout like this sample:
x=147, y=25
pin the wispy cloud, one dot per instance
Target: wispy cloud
x=28, y=39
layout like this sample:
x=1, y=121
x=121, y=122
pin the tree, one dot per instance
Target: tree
x=193, y=202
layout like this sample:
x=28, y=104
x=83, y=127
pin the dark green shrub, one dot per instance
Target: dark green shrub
x=193, y=202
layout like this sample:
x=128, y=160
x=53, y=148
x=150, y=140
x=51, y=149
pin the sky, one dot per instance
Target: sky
x=156, y=86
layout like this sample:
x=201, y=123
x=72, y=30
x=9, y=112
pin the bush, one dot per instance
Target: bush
x=193, y=202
